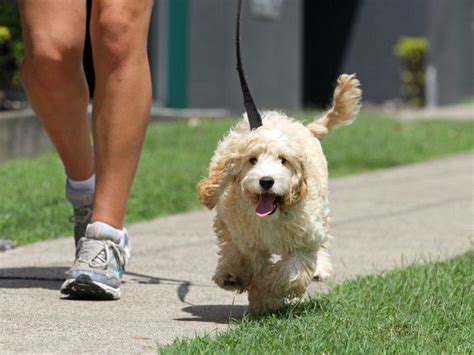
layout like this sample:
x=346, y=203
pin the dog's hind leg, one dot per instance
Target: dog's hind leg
x=261, y=299
x=260, y=293
x=286, y=279
x=292, y=274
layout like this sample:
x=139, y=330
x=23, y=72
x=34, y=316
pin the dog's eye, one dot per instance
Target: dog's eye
x=283, y=160
x=253, y=160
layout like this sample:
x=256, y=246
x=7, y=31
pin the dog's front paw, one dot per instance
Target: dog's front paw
x=323, y=266
x=322, y=274
x=229, y=282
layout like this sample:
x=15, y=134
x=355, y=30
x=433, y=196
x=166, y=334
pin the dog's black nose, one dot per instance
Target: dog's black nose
x=266, y=182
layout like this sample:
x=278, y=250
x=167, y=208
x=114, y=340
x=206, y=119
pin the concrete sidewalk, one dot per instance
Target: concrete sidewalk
x=381, y=220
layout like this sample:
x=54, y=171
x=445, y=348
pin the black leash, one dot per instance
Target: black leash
x=253, y=115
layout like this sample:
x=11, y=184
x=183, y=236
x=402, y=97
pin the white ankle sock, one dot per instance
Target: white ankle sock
x=106, y=229
x=83, y=185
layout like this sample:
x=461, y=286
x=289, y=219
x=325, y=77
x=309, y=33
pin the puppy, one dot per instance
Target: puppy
x=269, y=186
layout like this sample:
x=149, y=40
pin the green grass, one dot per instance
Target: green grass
x=423, y=309
x=176, y=156
x=469, y=101
x=377, y=142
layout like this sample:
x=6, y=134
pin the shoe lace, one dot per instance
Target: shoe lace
x=82, y=214
x=97, y=253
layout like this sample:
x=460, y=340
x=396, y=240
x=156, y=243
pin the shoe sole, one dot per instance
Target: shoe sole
x=83, y=287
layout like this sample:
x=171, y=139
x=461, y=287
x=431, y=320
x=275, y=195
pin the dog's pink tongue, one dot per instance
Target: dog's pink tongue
x=266, y=205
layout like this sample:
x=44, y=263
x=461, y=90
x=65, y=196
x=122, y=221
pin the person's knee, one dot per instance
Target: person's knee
x=50, y=64
x=116, y=39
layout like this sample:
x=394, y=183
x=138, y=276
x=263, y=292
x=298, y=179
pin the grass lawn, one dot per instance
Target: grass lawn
x=423, y=309
x=176, y=156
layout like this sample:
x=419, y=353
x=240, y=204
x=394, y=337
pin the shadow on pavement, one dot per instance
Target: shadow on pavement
x=222, y=314
x=182, y=289
x=49, y=278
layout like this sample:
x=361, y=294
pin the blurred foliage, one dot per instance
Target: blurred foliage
x=411, y=47
x=412, y=53
x=11, y=45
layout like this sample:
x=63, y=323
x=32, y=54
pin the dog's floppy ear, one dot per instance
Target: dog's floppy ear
x=297, y=192
x=303, y=189
x=299, y=186
x=210, y=188
x=345, y=107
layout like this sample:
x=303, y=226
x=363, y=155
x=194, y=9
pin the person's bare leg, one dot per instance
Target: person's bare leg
x=121, y=106
x=52, y=75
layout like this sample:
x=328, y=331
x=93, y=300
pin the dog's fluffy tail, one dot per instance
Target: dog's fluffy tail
x=345, y=107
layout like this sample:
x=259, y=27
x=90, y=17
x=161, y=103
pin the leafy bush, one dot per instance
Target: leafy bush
x=412, y=53
x=11, y=45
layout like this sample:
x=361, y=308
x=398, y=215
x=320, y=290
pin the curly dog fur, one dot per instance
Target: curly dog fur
x=270, y=189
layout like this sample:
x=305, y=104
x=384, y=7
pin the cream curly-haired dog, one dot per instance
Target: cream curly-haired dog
x=269, y=184
x=270, y=189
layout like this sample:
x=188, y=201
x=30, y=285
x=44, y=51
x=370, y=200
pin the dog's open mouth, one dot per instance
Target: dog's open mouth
x=267, y=204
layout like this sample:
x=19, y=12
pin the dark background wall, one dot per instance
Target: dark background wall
x=450, y=31
x=271, y=54
x=294, y=60
x=370, y=52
